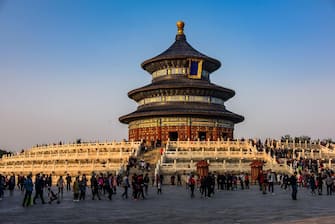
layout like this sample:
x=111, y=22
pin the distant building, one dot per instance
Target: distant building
x=181, y=102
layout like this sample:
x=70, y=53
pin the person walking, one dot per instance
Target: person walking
x=294, y=185
x=68, y=182
x=312, y=183
x=60, y=185
x=28, y=187
x=39, y=185
x=192, y=185
x=82, y=187
x=95, y=187
x=146, y=181
x=125, y=185
x=109, y=186
x=320, y=183
x=329, y=183
x=76, y=190
x=271, y=180
x=11, y=185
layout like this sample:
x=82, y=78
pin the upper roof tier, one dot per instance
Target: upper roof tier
x=180, y=49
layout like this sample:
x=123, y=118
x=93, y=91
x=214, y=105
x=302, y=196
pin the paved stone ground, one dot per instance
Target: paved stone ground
x=176, y=206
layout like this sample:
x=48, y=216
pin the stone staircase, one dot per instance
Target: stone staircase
x=152, y=156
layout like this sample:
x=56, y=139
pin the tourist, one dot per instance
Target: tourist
x=294, y=185
x=241, y=179
x=109, y=186
x=82, y=187
x=210, y=185
x=134, y=186
x=312, y=183
x=153, y=179
x=146, y=181
x=39, y=185
x=179, y=179
x=125, y=185
x=320, y=183
x=246, y=181
x=114, y=184
x=285, y=182
x=192, y=185
x=11, y=185
x=329, y=183
x=95, y=187
x=2, y=186
x=60, y=185
x=28, y=187
x=173, y=177
x=271, y=179
x=202, y=186
x=100, y=183
x=159, y=187
x=49, y=180
x=68, y=182
x=140, y=184
x=76, y=190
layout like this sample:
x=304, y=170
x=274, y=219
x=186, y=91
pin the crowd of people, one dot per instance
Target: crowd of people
x=106, y=185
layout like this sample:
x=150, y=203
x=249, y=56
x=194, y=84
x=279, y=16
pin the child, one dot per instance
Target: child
x=159, y=188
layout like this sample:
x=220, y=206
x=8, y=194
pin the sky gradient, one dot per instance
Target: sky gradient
x=66, y=66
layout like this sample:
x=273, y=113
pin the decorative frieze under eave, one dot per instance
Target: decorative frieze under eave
x=170, y=90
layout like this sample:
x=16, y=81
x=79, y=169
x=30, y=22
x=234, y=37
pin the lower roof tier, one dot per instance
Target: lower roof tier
x=182, y=109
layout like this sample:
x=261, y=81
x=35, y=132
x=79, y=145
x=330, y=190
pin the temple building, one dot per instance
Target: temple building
x=181, y=103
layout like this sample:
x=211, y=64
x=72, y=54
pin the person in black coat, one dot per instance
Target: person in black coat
x=39, y=185
x=294, y=185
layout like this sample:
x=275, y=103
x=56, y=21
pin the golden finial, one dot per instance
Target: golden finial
x=180, y=25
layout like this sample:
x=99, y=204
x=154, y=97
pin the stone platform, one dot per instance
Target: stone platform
x=176, y=206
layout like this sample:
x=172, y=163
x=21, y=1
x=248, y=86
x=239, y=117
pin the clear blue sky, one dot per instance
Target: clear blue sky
x=66, y=66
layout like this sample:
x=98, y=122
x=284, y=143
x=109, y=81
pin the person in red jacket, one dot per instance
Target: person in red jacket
x=192, y=185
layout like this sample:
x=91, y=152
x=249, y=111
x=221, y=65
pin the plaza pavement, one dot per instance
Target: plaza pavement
x=175, y=206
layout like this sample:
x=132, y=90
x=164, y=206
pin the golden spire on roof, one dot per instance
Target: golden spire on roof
x=180, y=25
